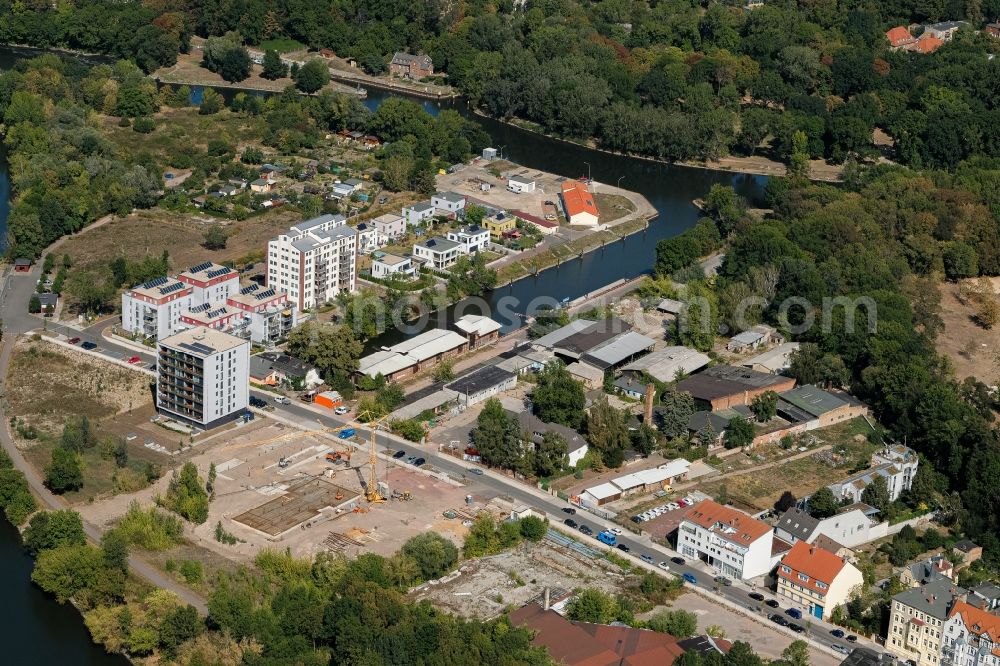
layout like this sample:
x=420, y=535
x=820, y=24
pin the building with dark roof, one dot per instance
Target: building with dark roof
x=862, y=656
x=589, y=338
x=482, y=384
x=276, y=368
x=535, y=428
x=727, y=386
x=796, y=525
x=916, y=618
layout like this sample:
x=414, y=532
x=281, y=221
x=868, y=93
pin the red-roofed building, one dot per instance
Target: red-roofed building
x=816, y=580
x=926, y=44
x=729, y=540
x=586, y=644
x=579, y=204
x=899, y=37
x=971, y=637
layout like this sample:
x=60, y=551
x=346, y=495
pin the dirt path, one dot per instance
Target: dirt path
x=754, y=470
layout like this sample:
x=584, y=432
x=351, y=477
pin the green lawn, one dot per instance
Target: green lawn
x=282, y=45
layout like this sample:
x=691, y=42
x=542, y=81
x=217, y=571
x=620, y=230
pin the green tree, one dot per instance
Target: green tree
x=592, y=606
x=796, y=654
x=558, y=398
x=550, y=453
x=34, y=304
x=67, y=571
x=52, y=529
x=607, y=432
x=471, y=277
x=179, y=626
x=497, y=438
x=445, y=371
x=533, y=528
x=822, y=503
x=676, y=408
x=798, y=164
x=643, y=439
x=64, y=472
x=114, y=550
x=699, y=320
x=273, y=68
x=211, y=103
x=333, y=350
x=679, y=623
x=876, y=494
x=765, y=406
x=434, y=554
x=312, y=76
x=186, y=495
x=739, y=433
x=215, y=238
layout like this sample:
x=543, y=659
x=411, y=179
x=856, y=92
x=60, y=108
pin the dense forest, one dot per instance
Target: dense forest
x=673, y=79
x=887, y=238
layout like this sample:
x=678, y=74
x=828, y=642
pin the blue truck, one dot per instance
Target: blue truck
x=607, y=537
x=346, y=433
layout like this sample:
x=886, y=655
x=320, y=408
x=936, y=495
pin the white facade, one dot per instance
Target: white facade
x=448, y=201
x=369, y=239
x=418, y=212
x=203, y=376
x=971, y=637
x=153, y=309
x=850, y=528
x=520, y=185
x=816, y=580
x=439, y=252
x=391, y=264
x=472, y=239
x=729, y=540
x=314, y=261
x=897, y=464
x=389, y=226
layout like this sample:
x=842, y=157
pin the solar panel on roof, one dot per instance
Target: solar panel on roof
x=156, y=282
x=171, y=288
x=201, y=308
x=249, y=289
x=431, y=243
x=217, y=272
x=200, y=267
x=265, y=294
x=217, y=313
x=197, y=347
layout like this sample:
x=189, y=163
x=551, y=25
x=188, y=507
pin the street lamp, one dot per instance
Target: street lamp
x=620, y=179
x=501, y=151
x=589, y=179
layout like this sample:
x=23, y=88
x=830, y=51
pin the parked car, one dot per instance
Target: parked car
x=852, y=638
x=568, y=509
x=678, y=560
x=616, y=530
x=772, y=603
x=690, y=578
x=89, y=346
x=794, y=613
x=419, y=462
x=74, y=341
x=722, y=580
x=837, y=633
x=664, y=566
x=569, y=522
x=646, y=558
x=797, y=628
x=340, y=411
x=133, y=360
x=778, y=620
x=840, y=648
x=756, y=596
x=636, y=519
x=586, y=530
x=476, y=471
x=282, y=400
x=398, y=454
x=410, y=460
x=256, y=402
x=622, y=547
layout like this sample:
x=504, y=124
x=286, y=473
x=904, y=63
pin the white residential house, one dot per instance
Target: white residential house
x=897, y=464
x=153, y=309
x=452, y=202
x=472, y=239
x=369, y=239
x=850, y=527
x=314, y=260
x=389, y=226
x=970, y=637
x=266, y=315
x=729, y=540
x=391, y=264
x=418, y=213
x=440, y=253
x=520, y=184
x=203, y=376
x=344, y=190
x=816, y=580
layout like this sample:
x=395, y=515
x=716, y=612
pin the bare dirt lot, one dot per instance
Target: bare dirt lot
x=468, y=179
x=189, y=70
x=973, y=351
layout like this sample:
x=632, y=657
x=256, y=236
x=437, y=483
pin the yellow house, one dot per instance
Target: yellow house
x=499, y=227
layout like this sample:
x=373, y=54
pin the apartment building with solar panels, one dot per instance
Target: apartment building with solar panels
x=208, y=295
x=202, y=376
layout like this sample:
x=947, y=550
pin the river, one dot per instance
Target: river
x=36, y=630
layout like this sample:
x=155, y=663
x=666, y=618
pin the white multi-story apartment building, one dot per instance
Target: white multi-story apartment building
x=971, y=637
x=729, y=540
x=389, y=226
x=897, y=464
x=314, y=261
x=440, y=253
x=266, y=315
x=917, y=619
x=202, y=376
x=472, y=238
x=154, y=308
x=210, y=282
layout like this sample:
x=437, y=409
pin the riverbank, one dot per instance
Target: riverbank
x=819, y=170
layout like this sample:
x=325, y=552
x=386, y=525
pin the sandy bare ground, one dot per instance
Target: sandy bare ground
x=973, y=351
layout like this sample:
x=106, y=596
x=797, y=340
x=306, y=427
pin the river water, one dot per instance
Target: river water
x=36, y=630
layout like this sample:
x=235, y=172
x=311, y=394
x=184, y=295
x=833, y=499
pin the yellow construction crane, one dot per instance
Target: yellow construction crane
x=372, y=493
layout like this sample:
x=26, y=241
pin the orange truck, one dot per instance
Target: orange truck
x=331, y=399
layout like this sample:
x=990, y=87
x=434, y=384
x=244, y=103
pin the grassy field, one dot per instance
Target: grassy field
x=281, y=45
x=47, y=383
x=613, y=207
